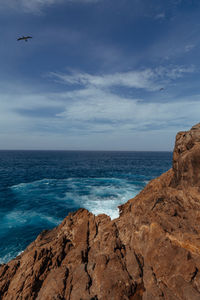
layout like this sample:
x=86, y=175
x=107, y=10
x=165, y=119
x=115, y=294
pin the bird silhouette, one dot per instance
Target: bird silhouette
x=25, y=38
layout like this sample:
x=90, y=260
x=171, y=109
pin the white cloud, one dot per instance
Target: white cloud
x=93, y=113
x=149, y=79
x=189, y=47
x=95, y=110
x=92, y=118
x=141, y=79
x=36, y=6
x=160, y=16
x=173, y=72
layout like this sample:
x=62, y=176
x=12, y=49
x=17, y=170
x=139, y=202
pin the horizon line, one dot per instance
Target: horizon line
x=65, y=150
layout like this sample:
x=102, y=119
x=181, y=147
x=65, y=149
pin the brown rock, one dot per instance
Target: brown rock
x=151, y=252
x=186, y=158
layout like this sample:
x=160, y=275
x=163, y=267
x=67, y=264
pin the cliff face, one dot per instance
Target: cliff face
x=186, y=158
x=151, y=252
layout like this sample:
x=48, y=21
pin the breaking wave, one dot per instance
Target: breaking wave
x=98, y=195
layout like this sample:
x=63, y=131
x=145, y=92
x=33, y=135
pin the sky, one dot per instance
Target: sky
x=98, y=74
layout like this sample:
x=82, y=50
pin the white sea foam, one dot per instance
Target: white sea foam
x=30, y=184
x=5, y=258
x=39, y=203
x=107, y=206
x=105, y=198
x=9, y=256
x=98, y=195
x=17, y=218
x=19, y=253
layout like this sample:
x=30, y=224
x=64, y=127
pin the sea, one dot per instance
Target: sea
x=39, y=188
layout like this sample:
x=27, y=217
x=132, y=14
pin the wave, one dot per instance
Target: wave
x=98, y=195
x=21, y=219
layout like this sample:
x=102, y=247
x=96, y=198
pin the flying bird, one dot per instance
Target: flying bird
x=161, y=89
x=25, y=38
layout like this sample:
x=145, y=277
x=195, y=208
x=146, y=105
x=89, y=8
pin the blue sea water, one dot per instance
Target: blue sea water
x=39, y=188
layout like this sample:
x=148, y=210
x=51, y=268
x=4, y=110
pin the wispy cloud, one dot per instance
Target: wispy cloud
x=92, y=112
x=160, y=16
x=173, y=72
x=148, y=79
x=110, y=113
x=189, y=47
x=36, y=6
x=141, y=79
x=93, y=105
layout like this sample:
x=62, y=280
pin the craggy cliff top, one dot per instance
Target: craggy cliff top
x=151, y=252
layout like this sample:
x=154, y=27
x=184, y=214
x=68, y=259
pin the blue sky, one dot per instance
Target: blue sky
x=98, y=74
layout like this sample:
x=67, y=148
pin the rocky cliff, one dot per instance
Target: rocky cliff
x=151, y=252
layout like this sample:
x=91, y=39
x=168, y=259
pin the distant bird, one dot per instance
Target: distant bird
x=25, y=38
x=161, y=89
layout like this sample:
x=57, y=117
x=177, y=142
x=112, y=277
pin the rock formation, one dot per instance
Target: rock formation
x=151, y=252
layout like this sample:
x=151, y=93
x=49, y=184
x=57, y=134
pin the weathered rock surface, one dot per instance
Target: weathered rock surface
x=151, y=252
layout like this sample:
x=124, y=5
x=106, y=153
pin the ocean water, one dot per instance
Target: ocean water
x=39, y=188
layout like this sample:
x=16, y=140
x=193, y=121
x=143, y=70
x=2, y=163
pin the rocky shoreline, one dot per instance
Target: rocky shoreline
x=151, y=252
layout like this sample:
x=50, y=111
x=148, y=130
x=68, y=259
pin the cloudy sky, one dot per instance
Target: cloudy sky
x=98, y=74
